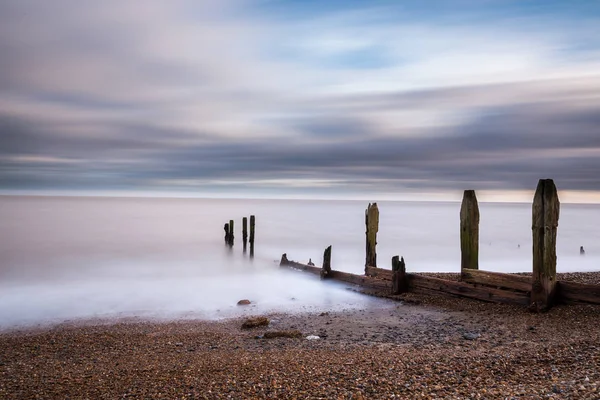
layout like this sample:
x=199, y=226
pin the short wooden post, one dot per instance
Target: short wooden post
x=245, y=232
x=284, y=260
x=545, y=213
x=326, y=268
x=372, y=226
x=231, y=232
x=226, y=227
x=399, y=284
x=252, y=223
x=469, y=231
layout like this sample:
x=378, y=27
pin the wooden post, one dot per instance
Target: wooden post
x=399, y=284
x=252, y=223
x=284, y=260
x=469, y=231
x=226, y=227
x=326, y=268
x=245, y=231
x=372, y=225
x=545, y=212
x=231, y=232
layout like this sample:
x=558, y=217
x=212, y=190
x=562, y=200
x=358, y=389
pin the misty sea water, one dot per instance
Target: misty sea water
x=65, y=258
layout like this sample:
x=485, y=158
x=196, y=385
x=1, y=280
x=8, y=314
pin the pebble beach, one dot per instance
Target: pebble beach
x=419, y=347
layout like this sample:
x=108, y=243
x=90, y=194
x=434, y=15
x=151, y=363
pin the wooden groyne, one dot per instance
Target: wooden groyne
x=539, y=292
x=229, y=233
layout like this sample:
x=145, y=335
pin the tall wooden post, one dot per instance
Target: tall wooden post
x=372, y=226
x=469, y=231
x=245, y=232
x=252, y=223
x=399, y=284
x=231, y=232
x=326, y=268
x=545, y=210
x=226, y=227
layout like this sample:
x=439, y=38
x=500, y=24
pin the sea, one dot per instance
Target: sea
x=65, y=259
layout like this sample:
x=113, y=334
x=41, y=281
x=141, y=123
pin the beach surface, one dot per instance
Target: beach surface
x=422, y=347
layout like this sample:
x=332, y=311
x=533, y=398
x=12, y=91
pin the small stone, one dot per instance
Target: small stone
x=255, y=322
x=312, y=337
x=243, y=302
x=471, y=335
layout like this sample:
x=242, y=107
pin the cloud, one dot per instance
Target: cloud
x=212, y=96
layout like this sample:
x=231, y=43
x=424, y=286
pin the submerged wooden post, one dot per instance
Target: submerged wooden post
x=252, y=223
x=469, y=231
x=399, y=284
x=245, y=232
x=326, y=268
x=226, y=227
x=372, y=226
x=545, y=213
x=231, y=232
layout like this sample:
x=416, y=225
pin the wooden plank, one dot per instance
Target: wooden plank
x=573, y=292
x=304, y=267
x=469, y=231
x=380, y=273
x=545, y=213
x=466, y=289
x=361, y=280
x=506, y=281
x=296, y=265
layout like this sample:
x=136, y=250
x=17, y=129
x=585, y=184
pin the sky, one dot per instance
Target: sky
x=302, y=99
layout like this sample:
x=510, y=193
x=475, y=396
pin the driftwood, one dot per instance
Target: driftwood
x=372, y=226
x=469, y=231
x=545, y=213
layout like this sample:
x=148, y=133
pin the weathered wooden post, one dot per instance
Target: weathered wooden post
x=545, y=210
x=245, y=231
x=284, y=260
x=469, y=231
x=226, y=227
x=252, y=223
x=231, y=232
x=326, y=268
x=399, y=284
x=372, y=226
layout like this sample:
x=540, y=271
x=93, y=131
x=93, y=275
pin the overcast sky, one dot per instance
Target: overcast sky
x=367, y=99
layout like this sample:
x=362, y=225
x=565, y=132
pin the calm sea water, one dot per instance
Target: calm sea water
x=81, y=257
